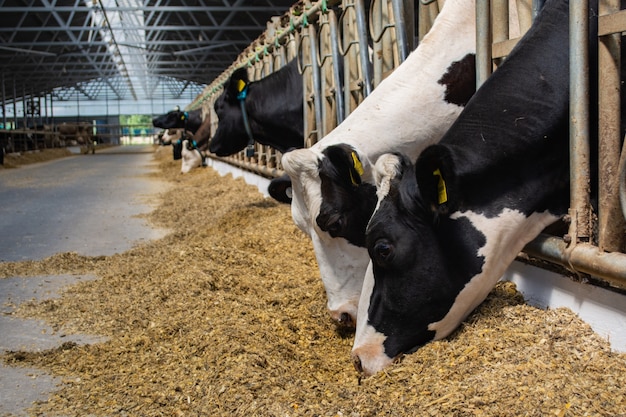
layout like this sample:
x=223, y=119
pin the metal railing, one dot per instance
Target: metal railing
x=325, y=35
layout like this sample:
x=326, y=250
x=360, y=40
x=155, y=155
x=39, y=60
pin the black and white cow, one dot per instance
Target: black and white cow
x=446, y=228
x=195, y=150
x=269, y=111
x=187, y=122
x=179, y=119
x=332, y=183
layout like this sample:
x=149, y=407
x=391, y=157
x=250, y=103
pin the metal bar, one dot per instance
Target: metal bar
x=580, y=228
x=317, y=82
x=4, y=106
x=144, y=8
x=585, y=258
x=537, y=5
x=366, y=65
x=483, y=41
x=337, y=63
x=402, y=41
x=257, y=169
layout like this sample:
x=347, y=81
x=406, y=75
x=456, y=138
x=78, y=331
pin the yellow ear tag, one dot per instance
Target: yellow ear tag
x=356, y=163
x=241, y=84
x=442, y=193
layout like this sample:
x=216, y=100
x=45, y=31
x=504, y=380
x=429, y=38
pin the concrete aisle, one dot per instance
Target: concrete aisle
x=86, y=204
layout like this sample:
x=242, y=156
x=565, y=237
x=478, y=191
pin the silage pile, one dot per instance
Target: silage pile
x=226, y=317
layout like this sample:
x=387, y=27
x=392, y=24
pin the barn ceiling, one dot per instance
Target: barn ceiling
x=124, y=49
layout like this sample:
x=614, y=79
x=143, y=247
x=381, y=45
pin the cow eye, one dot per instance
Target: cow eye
x=383, y=251
x=335, y=227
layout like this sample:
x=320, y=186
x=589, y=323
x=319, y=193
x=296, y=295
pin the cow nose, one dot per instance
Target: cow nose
x=356, y=361
x=343, y=318
x=346, y=320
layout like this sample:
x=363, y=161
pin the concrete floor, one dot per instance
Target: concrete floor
x=86, y=204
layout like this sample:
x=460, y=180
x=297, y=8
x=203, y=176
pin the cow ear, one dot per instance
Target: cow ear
x=280, y=189
x=237, y=83
x=435, y=178
x=346, y=163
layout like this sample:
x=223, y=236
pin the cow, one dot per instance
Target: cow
x=333, y=192
x=81, y=133
x=175, y=138
x=269, y=111
x=51, y=136
x=194, y=152
x=446, y=227
x=180, y=119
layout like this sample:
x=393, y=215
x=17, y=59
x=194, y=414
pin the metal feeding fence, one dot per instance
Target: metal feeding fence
x=369, y=39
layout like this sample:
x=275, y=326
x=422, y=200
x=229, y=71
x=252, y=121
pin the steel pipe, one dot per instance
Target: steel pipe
x=585, y=258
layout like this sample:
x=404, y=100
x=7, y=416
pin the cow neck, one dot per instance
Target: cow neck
x=246, y=123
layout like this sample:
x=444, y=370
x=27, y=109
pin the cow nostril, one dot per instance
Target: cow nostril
x=346, y=320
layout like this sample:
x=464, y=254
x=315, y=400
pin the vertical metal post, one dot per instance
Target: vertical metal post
x=579, y=229
x=45, y=107
x=610, y=219
x=4, y=106
x=366, y=65
x=24, y=109
x=317, y=82
x=52, y=106
x=14, y=105
x=400, y=24
x=537, y=6
x=483, y=41
x=337, y=64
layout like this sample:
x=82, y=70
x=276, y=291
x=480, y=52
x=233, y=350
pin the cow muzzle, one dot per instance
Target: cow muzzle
x=370, y=359
x=343, y=318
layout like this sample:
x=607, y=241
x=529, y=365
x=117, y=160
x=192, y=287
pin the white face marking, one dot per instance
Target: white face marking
x=506, y=236
x=171, y=135
x=190, y=159
x=368, y=343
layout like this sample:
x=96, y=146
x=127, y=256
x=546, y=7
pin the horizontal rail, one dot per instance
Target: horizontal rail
x=582, y=257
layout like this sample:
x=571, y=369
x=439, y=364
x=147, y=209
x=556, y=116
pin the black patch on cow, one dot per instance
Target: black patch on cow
x=274, y=111
x=347, y=202
x=177, y=149
x=460, y=80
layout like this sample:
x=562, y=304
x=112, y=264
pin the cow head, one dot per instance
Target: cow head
x=347, y=201
x=441, y=237
x=411, y=281
x=173, y=119
x=231, y=136
x=320, y=180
